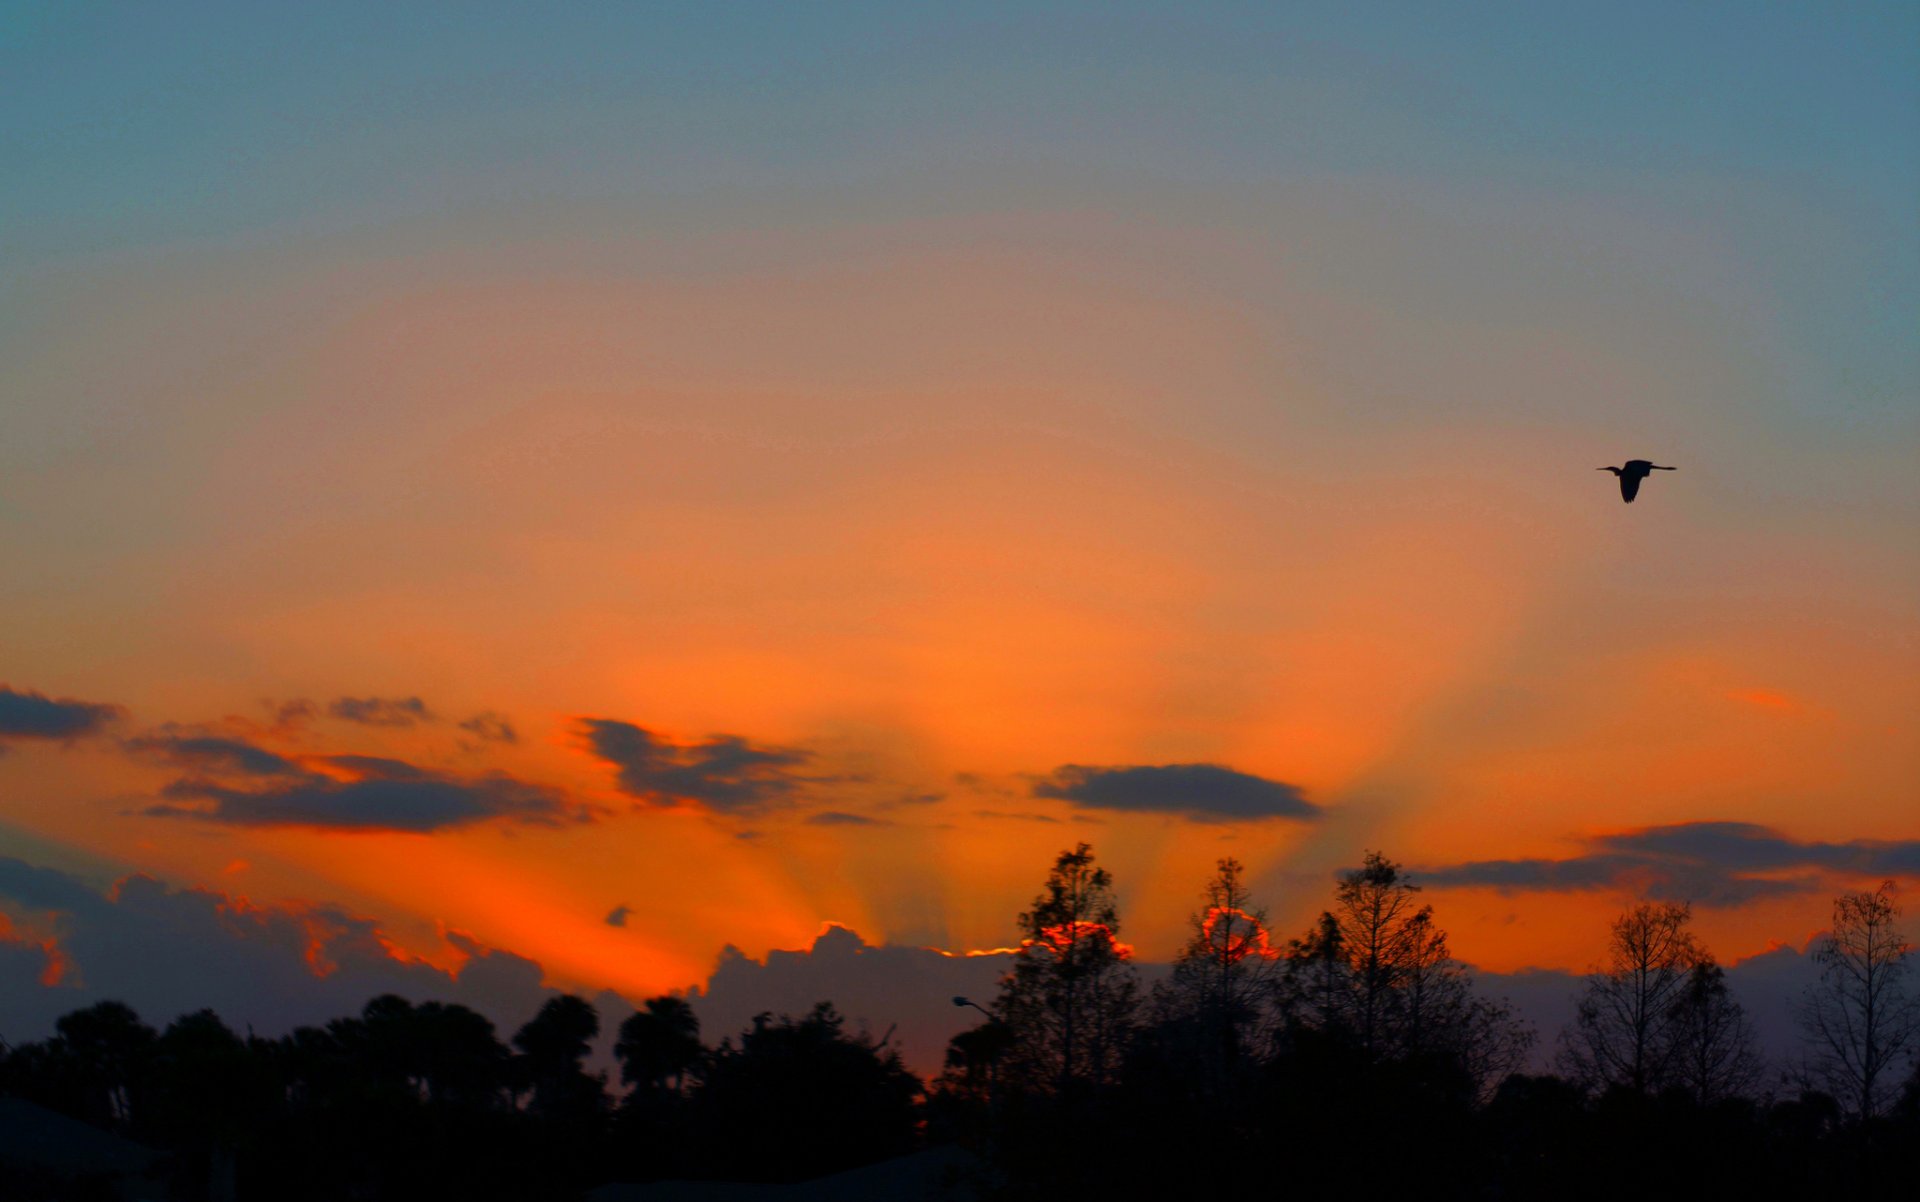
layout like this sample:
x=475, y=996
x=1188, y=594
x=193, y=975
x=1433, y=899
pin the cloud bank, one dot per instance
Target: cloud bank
x=1709, y=863
x=169, y=951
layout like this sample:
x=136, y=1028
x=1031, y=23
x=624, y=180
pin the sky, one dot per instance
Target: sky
x=564, y=492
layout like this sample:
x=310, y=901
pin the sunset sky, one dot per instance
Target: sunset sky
x=604, y=482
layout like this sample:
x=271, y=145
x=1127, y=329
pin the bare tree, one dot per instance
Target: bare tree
x=1316, y=985
x=1223, y=977
x=1071, y=996
x=1384, y=933
x=1376, y=969
x=1624, y=1032
x=1716, y=1055
x=1859, y=1019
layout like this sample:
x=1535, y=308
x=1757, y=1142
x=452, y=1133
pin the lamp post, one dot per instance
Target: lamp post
x=992, y=1066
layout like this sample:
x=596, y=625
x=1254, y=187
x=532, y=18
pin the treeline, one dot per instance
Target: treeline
x=1360, y=1051
x=1362, y=1055
x=425, y=1101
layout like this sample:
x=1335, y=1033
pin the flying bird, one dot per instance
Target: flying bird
x=1632, y=474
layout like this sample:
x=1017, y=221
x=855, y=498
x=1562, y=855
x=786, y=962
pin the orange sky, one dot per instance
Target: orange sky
x=546, y=497
x=949, y=481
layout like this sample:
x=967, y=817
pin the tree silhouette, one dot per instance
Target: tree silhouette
x=208, y=1092
x=456, y=1056
x=1859, y=1019
x=1625, y=1030
x=1715, y=1056
x=1384, y=936
x=554, y=1045
x=1071, y=995
x=658, y=1045
x=1377, y=972
x=1221, y=989
x=110, y=1050
x=1316, y=988
x=796, y=1098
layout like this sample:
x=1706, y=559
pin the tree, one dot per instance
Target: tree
x=111, y=1049
x=1376, y=971
x=1384, y=935
x=1316, y=987
x=1715, y=1055
x=553, y=1051
x=208, y=1094
x=1224, y=976
x=1624, y=1032
x=1071, y=996
x=658, y=1045
x=797, y=1098
x=1859, y=1019
x=457, y=1057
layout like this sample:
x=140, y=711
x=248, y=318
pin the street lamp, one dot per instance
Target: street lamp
x=993, y=1092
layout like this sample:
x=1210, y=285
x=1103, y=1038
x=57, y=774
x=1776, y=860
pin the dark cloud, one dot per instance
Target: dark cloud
x=1711, y=863
x=287, y=716
x=908, y=988
x=233, y=782
x=415, y=801
x=723, y=772
x=1204, y=792
x=46, y=889
x=167, y=951
x=381, y=711
x=911, y=799
x=1006, y=815
x=31, y=715
x=214, y=754
x=491, y=728
x=841, y=818
x=617, y=917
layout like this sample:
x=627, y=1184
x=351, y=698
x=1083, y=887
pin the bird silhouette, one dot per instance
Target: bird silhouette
x=1632, y=474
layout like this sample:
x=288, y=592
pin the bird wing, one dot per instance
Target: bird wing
x=1643, y=466
x=1629, y=487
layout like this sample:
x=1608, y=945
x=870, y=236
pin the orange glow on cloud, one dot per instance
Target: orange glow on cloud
x=1063, y=939
x=1237, y=945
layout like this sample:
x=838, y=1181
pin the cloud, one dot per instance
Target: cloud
x=490, y=727
x=381, y=711
x=233, y=782
x=617, y=917
x=220, y=755
x=723, y=772
x=841, y=818
x=288, y=716
x=1013, y=816
x=911, y=799
x=878, y=987
x=418, y=802
x=31, y=715
x=1203, y=792
x=167, y=951
x=1711, y=863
